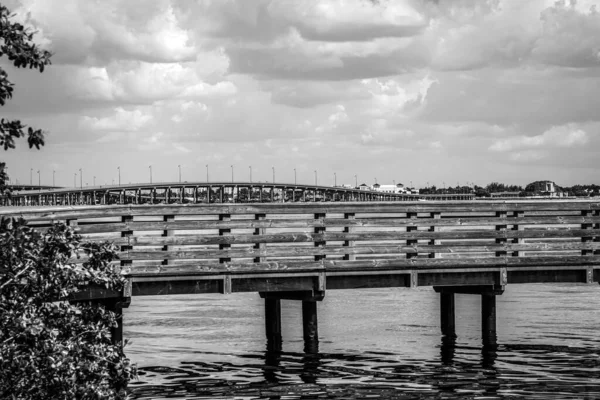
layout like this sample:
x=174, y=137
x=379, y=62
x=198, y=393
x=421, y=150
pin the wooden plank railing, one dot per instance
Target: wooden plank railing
x=170, y=241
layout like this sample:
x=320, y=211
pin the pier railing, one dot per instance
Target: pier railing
x=299, y=250
x=165, y=242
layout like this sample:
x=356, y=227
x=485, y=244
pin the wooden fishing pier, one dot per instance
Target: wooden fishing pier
x=299, y=251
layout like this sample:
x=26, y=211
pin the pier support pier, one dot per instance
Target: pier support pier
x=488, y=310
x=309, y=318
x=273, y=324
x=488, y=318
x=310, y=326
x=447, y=314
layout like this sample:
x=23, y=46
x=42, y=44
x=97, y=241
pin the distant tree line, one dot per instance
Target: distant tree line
x=582, y=190
x=479, y=191
x=531, y=189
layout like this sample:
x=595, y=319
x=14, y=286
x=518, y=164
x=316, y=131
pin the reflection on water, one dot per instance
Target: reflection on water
x=373, y=344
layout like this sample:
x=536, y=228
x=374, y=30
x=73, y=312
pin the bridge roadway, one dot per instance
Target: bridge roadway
x=203, y=192
x=25, y=187
x=299, y=251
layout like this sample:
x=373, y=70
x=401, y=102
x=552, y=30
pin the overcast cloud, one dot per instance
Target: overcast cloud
x=422, y=91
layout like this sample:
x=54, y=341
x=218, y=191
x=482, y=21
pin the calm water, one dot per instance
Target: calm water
x=377, y=343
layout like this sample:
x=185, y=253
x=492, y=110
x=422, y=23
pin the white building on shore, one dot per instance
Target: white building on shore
x=397, y=188
x=394, y=188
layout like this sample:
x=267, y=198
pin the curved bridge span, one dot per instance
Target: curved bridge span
x=211, y=192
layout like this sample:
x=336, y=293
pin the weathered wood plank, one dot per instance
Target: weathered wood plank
x=224, y=232
x=459, y=279
x=319, y=231
x=587, y=227
x=260, y=231
x=435, y=216
x=341, y=250
x=349, y=218
x=75, y=212
x=367, y=281
x=518, y=227
x=279, y=284
x=501, y=226
x=175, y=287
x=167, y=232
x=195, y=285
x=223, y=268
x=364, y=266
x=416, y=263
x=358, y=236
x=547, y=276
x=125, y=235
x=107, y=227
x=411, y=242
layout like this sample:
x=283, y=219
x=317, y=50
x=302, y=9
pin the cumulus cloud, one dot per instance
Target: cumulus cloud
x=334, y=120
x=153, y=142
x=310, y=94
x=121, y=120
x=379, y=133
x=471, y=35
x=202, y=89
x=109, y=30
x=460, y=79
x=143, y=82
x=393, y=96
x=526, y=156
x=191, y=109
x=181, y=148
x=570, y=36
x=556, y=137
x=505, y=97
x=361, y=39
x=355, y=20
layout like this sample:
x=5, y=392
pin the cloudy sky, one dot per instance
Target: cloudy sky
x=418, y=90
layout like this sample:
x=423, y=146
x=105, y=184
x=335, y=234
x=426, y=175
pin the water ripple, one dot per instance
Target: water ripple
x=370, y=350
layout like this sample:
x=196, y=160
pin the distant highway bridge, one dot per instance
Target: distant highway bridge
x=203, y=192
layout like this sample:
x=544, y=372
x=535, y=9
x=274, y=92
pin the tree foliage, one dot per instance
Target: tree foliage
x=496, y=187
x=51, y=348
x=17, y=45
x=583, y=190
